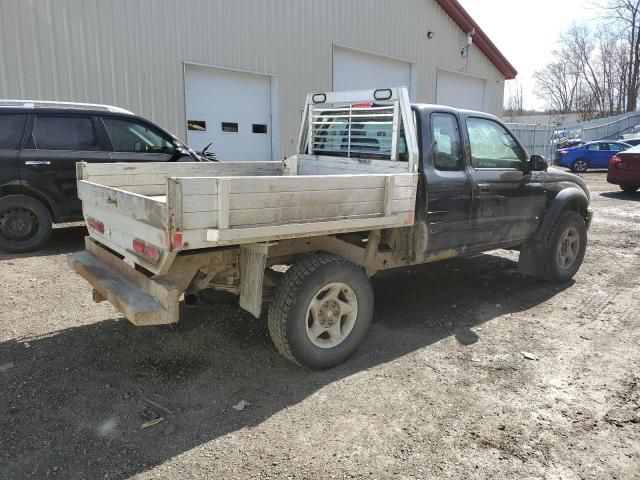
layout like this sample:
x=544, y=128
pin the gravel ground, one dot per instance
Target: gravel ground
x=441, y=388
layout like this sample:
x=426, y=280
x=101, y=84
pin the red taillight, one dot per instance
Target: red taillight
x=94, y=224
x=616, y=162
x=138, y=246
x=152, y=253
x=146, y=250
x=362, y=105
x=178, y=240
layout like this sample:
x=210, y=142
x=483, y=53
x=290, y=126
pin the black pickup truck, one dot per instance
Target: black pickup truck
x=376, y=183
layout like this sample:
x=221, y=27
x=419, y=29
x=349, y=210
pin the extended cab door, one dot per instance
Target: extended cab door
x=448, y=183
x=55, y=142
x=508, y=199
x=11, y=133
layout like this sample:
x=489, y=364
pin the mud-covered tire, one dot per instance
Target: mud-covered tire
x=580, y=165
x=629, y=188
x=569, y=227
x=289, y=314
x=25, y=224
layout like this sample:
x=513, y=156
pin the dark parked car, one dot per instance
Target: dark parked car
x=589, y=155
x=40, y=143
x=624, y=170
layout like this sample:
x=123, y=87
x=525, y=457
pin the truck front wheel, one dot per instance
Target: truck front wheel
x=565, y=247
x=321, y=311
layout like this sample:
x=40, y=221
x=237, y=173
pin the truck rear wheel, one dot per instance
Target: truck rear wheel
x=321, y=311
x=25, y=224
x=565, y=247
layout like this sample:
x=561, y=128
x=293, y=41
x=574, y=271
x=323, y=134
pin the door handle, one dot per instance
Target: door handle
x=484, y=187
x=37, y=163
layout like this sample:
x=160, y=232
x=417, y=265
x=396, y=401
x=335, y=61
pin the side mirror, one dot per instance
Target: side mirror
x=138, y=147
x=538, y=163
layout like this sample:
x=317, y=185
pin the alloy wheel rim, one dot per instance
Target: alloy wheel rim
x=568, y=248
x=581, y=166
x=331, y=315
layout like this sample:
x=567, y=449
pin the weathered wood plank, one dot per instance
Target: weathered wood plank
x=318, y=165
x=194, y=220
x=199, y=185
x=174, y=205
x=199, y=203
x=223, y=203
x=277, y=232
x=127, y=204
x=314, y=182
x=184, y=169
x=308, y=197
x=388, y=195
x=297, y=214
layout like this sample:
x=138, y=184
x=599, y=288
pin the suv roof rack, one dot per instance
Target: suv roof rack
x=69, y=105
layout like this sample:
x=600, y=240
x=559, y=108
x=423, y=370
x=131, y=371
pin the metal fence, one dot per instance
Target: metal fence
x=535, y=138
x=610, y=128
x=539, y=139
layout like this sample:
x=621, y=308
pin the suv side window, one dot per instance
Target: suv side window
x=492, y=146
x=136, y=137
x=59, y=132
x=447, y=147
x=11, y=131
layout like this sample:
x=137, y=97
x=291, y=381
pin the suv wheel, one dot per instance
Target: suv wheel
x=629, y=188
x=25, y=224
x=565, y=247
x=580, y=165
x=321, y=311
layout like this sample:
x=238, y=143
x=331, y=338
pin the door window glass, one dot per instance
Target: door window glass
x=617, y=147
x=129, y=136
x=447, y=148
x=594, y=146
x=64, y=133
x=11, y=131
x=492, y=146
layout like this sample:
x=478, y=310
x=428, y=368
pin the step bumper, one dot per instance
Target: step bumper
x=143, y=300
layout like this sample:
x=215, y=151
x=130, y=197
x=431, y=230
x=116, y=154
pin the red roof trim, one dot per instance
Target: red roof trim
x=466, y=23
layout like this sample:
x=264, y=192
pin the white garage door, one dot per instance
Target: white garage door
x=353, y=70
x=230, y=109
x=460, y=91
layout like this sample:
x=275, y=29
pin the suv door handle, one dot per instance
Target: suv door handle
x=484, y=187
x=37, y=162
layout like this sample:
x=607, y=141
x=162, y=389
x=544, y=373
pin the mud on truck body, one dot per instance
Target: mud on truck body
x=376, y=183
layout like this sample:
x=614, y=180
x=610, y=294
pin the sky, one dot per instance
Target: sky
x=526, y=32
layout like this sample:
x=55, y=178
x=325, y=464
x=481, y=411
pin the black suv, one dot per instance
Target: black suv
x=40, y=143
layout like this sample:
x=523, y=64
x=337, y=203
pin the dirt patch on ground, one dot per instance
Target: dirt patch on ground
x=440, y=389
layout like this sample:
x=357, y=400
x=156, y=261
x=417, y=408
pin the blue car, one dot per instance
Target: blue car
x=589, y=155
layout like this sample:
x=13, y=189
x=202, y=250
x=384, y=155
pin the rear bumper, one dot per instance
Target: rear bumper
x=141, y=299
x=623, y=177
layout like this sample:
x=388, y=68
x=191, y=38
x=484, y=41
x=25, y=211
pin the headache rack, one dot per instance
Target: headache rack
x=371, y=127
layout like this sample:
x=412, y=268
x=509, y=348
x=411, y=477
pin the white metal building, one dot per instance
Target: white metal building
x=236, y=72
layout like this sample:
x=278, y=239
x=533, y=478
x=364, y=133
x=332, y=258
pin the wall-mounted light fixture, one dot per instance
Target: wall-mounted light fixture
x=465, y=50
